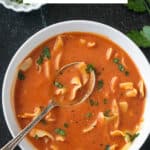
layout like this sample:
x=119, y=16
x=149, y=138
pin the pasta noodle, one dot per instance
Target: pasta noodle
x=123, y=62
x=82, y=68
x=40, y=133
x=113, y=147
x=117, y=133
x=49, y=118
x=131, y=93
x=109, y=53
x=57, y=60
x=59, y=43
x=126, y=85
x=91, y=44
x=115, y=111
x=82, y=41
x=37, y=111
x=47, y=70
x=77, y=85
x=103, y=118
x=60, y=91
x=126, y=146
x=113, y=83
x=60, y=138
x=54, y=147
x=27, y=63
x=123, y=106
x=90, y=127
x=141, y=88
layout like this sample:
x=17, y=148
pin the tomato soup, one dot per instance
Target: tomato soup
x=108, y=120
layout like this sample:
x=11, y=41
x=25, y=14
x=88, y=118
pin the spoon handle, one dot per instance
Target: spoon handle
x=15, y=141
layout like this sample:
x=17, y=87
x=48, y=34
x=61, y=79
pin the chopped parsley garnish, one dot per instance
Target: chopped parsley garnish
x=21, y=76
x=100, y=84
x=107, y=147
x=60, y=131
x=116, y=60
x=45, y=54
x=132, y=136
x=58, y=84
x=126, y=73
x=89, y=115
x=105, y=101
x=90, y=68
x=40, y=60
x=93, y=102
x=121, y=67
x=66, y=125
x=36, y=137
x=107, y=113
x=142, y=37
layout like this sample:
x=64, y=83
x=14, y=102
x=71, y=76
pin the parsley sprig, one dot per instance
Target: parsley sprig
x=141, y=38
x=139, y=5
x=45, y=54
x=60, y=131
x=21, y=75
x=90, y=68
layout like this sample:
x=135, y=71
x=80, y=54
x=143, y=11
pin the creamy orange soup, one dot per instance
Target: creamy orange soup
x=108, y=120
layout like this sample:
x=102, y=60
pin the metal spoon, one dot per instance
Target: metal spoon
x=15, y=141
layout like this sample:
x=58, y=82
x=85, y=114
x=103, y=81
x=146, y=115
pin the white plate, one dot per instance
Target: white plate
x=19, y=7
x=68, y=26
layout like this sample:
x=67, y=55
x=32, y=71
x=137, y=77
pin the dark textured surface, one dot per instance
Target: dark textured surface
x=15, y=28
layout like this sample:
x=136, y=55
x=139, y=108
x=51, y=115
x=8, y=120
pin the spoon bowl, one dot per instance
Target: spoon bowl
x=52, y=104
x=91, y=85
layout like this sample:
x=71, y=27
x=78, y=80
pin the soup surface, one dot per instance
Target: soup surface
x=108, y=120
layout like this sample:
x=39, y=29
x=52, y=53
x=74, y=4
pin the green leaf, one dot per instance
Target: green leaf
x=60, y=131
x=147, y=5
x=146, y=32
x=140, y=38
x=136, y=5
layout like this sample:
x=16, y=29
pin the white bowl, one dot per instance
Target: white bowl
x=69, y=26
x=19, y=7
